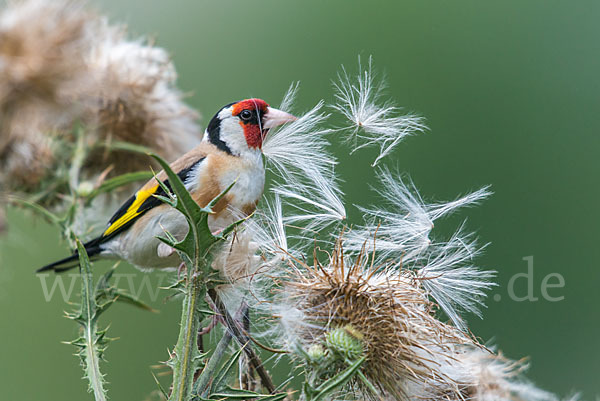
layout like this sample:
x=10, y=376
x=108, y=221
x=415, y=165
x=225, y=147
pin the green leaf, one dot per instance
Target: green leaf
x=273, y=397
x=196, y=252
x=239, y=394
x=51, y=217
x=169, y=240
x=110, y=294
x=92, y=341
x=199, y=238
x=169, y=201
x=229, y=229
x=120, y=181
x=207, y=312
x=123, y=296
x=337, y=381
x=95, y=299
x=218, y=381
x=201, y=385
x=160, y=387
x=366, y=382
x=118, y=145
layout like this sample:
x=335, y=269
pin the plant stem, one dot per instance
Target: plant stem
x=79, y=155
x=236, y=331
x=247, y=377
x=201, y=385
x=186, y=348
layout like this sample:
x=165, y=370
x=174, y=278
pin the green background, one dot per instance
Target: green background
x=511, y=92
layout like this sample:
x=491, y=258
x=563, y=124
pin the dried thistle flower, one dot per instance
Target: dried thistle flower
x=42, y=48
x=254, y=257
x=374, y=121
x=268, y=229
x=238, y=262
x=27, y=156
x=448, y=274
x=390, y=311
x=64, y=68
x=135, y=101
x=300, y=145
x=42, y=45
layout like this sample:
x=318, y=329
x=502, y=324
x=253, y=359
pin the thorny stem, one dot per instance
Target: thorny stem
x=187, y=348
x=236, y=331
x=247, y=379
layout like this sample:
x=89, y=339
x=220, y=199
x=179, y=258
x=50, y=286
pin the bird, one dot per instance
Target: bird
x=230, y=152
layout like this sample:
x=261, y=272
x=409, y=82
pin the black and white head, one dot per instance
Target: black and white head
x=240, y=127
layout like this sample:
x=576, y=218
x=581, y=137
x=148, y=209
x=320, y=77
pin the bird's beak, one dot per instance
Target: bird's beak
x=274, y=118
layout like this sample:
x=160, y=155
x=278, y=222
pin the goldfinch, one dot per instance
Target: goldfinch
x=230, y=151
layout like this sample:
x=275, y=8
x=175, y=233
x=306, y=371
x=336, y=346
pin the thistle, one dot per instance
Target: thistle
x=72, y=90
x=134, y=100
x=41, y=61
x=389, y=314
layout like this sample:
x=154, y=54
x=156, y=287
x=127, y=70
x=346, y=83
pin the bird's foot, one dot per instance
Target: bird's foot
x=164, y=250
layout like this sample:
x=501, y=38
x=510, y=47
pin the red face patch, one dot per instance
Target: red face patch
x=252, y=126
x=250, y=104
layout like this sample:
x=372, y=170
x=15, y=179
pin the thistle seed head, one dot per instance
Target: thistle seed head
x=135, y=101
x=42, y=45
x=351, y=305
x=64, y=70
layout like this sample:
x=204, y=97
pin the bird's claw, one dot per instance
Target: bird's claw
x=164, y=250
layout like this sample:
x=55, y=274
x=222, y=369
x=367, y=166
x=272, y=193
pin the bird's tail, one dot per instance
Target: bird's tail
x=92, y=248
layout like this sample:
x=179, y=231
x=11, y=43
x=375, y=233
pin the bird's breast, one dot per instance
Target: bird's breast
x=220, y=171
x=249, y=178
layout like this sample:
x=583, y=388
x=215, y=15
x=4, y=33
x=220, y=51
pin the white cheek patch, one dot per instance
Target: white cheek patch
x=232, y=133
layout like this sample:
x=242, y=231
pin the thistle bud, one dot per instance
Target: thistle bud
x=85, y=188
x=316, y=353
x=346, y=342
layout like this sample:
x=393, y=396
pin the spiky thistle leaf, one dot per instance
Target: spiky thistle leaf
x=92, y=342
x=95, y=300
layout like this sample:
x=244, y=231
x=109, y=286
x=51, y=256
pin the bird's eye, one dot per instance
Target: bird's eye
x=246, y=115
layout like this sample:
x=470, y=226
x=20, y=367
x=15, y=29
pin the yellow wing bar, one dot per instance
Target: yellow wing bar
x=132, y=211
